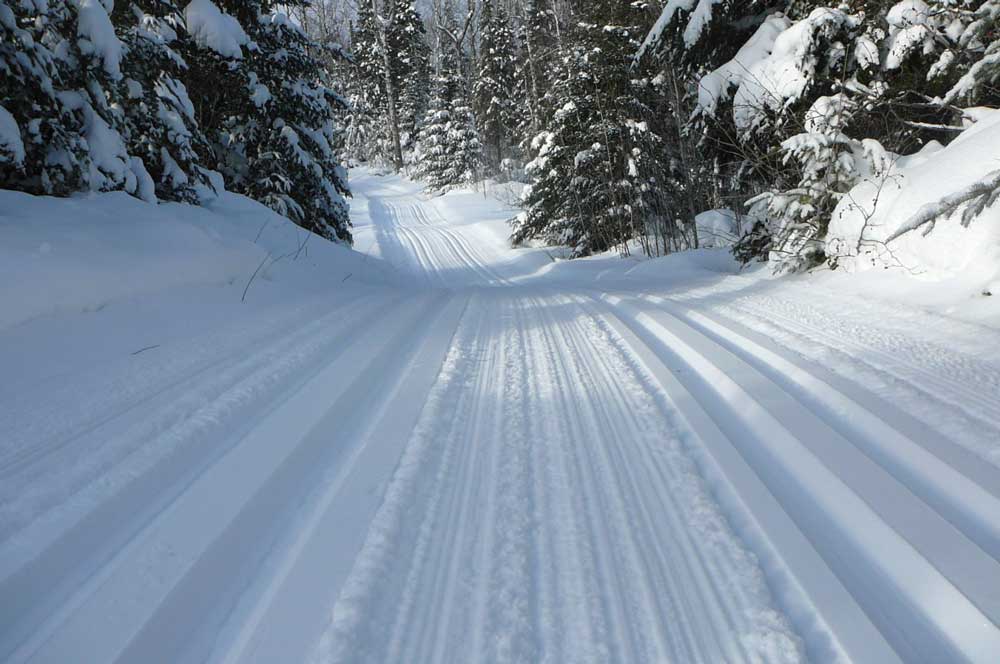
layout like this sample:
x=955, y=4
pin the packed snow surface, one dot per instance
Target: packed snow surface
x=222, y=442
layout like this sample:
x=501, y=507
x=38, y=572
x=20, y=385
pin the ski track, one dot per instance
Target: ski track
x=948, y=389
x=465, y=470
x=578, y=544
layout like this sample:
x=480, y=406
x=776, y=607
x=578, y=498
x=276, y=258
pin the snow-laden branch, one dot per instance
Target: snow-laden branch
x=987, y=188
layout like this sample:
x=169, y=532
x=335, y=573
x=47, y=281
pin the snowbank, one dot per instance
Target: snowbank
x=717, y=228
x=951, y=251
x=79, y=254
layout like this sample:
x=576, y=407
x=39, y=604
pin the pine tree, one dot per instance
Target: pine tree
x=411, y=63
x=600, y=170
x=161, y=127
x=448, y=149
x=258, y=97
x=494, y=104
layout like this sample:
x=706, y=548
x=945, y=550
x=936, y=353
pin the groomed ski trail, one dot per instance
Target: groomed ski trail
x=485, y=466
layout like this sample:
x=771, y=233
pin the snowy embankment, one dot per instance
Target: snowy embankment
x=965, y=260
x=80, y=254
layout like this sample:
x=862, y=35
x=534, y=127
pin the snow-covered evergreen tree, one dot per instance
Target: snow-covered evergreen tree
x=292, y=166
x=976, y=56
x=411, y=62
x=533, y=72
x=161, y=127
x=366, y=133
x=259, y=99
x=35, y=124
x=63, y=91
x=600, y=171
x=495, y=108
x=448, y=148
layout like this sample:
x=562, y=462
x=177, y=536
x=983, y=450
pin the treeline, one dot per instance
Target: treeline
x=159, y=97
x=789, y=105
x=628, y=119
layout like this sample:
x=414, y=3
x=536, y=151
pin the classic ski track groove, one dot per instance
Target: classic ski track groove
x=897, y=520
x=19, y=461
x=436, y=248
x=118, y=517
x=967, y=493
x=632, y=578
x=94, y=602
x=928, y=383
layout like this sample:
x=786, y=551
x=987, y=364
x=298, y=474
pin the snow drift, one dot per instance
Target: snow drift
x=877, y=207
x=79, y=254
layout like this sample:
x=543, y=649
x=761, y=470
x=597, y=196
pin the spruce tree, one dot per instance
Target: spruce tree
x=63, y=91
x=411, y=62
x=448, y=148
x=42, y=149
x=366, y=136
x=161, y=127
x=258, y=97
x=534, y=71
x=494, y=104
x=600, y=170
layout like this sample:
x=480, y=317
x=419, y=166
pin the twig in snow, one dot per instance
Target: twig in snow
x=143, y=350
x=252, y=276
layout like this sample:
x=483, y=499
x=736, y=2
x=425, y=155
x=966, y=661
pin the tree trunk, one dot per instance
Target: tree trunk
x=390, y=89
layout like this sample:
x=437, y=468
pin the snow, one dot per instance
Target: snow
x=97, y=34
x=700, y=17
x=436, y=447
x=667, y=15
x=720, y=84
x=109, y=160
x=717, y=228
x=968, y=256
x=10, y=138
x=103, y=248
x=773, y=70
x=214, y=29
x=910, y=26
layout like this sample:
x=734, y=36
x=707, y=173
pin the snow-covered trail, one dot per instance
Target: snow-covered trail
x=487, y=464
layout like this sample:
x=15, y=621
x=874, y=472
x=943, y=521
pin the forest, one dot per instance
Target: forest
x=625, y=120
